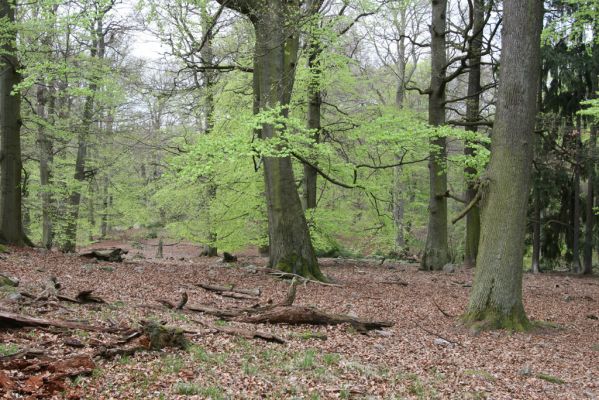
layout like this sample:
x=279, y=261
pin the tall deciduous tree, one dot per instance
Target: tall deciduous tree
x=11, y=224
x=436, y=252
x=472, y=117
x=275, y=58
x=496, y=298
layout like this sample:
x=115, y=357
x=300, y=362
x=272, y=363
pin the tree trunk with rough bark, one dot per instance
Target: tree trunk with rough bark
x=436, y=252
x=496, y=297
x=472, y=116
x=11, y=222
x=275, y=60
x=590, y=213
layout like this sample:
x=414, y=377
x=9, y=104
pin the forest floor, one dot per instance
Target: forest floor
x=426, y=354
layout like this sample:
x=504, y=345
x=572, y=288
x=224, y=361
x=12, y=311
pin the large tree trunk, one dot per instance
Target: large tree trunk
x=496, y=297
x=275, y=59
x=472, y=116
x=11, y=224
x=590, y=213
x=436, y=252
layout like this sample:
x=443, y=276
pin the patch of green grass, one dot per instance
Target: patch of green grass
x=4, y=249
x=198, y=353
x=307, y=335
x=8, y=349
x=248, y=367
x=187, y=389
x=107, y=268
x=307, y=360
x=595, y=347
x=551, y=378
x=124, y=360
x=480, y=373
x=331, y=359
x=546, y=325
x=221, y=322
x=172, y=364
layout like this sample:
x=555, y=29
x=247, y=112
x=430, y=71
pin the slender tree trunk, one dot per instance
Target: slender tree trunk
x=11, y=222
x=96, y=52
x=496, y=297
x=398, y=190
x=472, y=116
x=436, y=252
x=314, y=119
x=44, y=142
x=209, y=77
x=590, y=213
x=536, y=232
x=275, y=60
x=105, y=208
x=576, y=266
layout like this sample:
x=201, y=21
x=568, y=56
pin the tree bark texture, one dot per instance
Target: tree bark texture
x=275, y=59
x=11, y=222
x=436, y=252
x=496, y=297
x=472, y=116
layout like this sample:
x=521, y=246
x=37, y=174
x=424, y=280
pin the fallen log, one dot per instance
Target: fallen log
x=230, y=289
x=112, y=255
x=10, y=320
x=83, y=297
x=303, y=315
x=245, y=333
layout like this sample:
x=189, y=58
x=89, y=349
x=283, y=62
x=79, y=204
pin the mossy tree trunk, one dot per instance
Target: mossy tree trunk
x=11, y=222
x=275, y=58
x=496, y=297
x=473, y=116
x=436, y=252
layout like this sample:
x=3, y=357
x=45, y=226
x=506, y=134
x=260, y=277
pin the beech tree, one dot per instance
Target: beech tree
x=275, y=59
x=11, y=223
x=496, y=297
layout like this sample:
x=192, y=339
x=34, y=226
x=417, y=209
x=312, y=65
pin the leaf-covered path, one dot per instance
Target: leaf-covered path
x=426, y=354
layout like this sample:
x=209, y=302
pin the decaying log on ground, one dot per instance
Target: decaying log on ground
x=245, y=333
x=44, y=377
x=159, y=336
x=10, y=320
x=302, y=315
x=51, y=289
x=253, y=293
x=6, y=280
x=112, y=255
x=83, y=297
